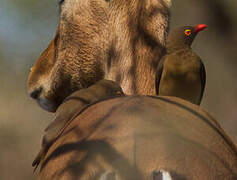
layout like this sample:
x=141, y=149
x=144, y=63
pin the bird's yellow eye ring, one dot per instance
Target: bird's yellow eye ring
x=187, y=32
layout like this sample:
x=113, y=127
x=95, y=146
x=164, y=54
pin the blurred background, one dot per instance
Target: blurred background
x=27, y=26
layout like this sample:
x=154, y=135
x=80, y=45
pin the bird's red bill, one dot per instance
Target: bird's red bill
x=200, y=27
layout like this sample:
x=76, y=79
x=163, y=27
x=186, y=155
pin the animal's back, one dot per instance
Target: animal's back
x=135, y=135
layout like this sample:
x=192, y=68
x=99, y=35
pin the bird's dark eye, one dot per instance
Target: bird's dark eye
x=187, y=32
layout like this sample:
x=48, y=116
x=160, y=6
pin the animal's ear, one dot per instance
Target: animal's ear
x=155, y=19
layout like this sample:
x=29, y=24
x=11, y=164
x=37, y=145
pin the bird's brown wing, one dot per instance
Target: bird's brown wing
x=159, y=74
x=203, y=80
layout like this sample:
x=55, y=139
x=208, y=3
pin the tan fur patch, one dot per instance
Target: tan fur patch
x=120, y=40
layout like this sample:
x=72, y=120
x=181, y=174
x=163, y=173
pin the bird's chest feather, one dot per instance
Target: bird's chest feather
x=185, y=69
x=181, y=79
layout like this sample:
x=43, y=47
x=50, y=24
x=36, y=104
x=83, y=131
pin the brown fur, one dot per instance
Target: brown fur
x=133, y=136
x=120, y=40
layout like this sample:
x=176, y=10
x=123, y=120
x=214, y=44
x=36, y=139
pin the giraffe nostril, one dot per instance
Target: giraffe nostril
x=36, y=93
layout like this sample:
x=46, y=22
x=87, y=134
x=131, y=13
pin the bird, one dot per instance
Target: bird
x=71, y=106
x=181, y=72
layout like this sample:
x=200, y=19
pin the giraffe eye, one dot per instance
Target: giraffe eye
x=187, y=32
x=61, y=2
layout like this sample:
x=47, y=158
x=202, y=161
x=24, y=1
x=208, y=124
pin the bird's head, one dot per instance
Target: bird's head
x=183, y=36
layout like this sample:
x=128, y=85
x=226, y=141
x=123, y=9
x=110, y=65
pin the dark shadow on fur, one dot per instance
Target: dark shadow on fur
x=94, y=148
x=140, y=34
x=112, y=60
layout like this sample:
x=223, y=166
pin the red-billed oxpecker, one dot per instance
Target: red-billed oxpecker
x=181, y=72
